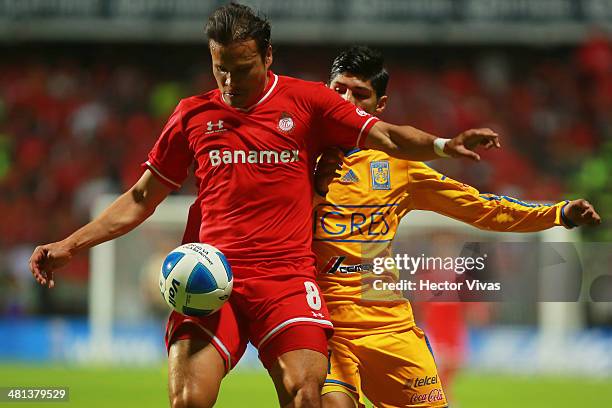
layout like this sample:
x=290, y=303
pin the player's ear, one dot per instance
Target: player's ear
x=381, y=105
x=268, y=59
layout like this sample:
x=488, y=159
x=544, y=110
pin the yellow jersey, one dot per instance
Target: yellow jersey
x=358, y=218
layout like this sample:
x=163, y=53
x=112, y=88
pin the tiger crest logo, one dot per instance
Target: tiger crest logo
x=381, y=175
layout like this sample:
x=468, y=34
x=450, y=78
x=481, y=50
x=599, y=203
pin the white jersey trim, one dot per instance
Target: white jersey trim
x=291, y=321
x=362, y=129
x=148, y=163
x=263, y=98
x=219, y=343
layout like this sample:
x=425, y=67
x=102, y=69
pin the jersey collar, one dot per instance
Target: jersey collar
x=272, y=81
x=347, y=153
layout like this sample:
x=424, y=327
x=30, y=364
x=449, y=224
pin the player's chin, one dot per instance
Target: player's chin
x=236, y=100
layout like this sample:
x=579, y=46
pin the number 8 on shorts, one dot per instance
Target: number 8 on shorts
x=312, y=295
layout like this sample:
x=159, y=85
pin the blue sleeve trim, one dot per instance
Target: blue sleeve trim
x=336, y=382
x=492, y=197
x=564, y=218
x=429, y=347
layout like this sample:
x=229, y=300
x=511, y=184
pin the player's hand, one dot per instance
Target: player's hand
x=581, y=212
x=464, y=144
x=328, y=167
x=46, y=259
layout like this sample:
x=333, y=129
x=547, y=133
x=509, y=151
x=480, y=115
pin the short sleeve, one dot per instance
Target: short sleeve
x=343, y=123
x=170, y=158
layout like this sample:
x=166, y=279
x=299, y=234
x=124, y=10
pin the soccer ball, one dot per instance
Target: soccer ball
x=196, y=279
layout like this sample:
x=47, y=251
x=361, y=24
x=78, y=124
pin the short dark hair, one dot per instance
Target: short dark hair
x=237, y=22
x=364, y=62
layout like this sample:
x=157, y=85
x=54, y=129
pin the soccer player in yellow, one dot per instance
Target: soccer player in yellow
x=377, y=351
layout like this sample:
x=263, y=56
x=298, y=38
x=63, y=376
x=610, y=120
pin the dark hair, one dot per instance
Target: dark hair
x=237, y=22
x=365, y=63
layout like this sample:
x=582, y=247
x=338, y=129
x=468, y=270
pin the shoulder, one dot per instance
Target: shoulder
x=422, y=171
x=371, y=155
x=196, y=101
x=374, y=159
x=304, y=96
x=193, y=106
x=301, y=87
x=419, y=166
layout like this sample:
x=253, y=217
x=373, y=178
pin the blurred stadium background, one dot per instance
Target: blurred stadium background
x=86, y=85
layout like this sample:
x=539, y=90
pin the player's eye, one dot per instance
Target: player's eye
x=340, y=89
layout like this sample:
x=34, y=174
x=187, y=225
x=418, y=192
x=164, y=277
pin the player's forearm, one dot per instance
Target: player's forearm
x=500, y=215
x=402, y=142
x=123, y=215
x=503, y=220
x=435, y=192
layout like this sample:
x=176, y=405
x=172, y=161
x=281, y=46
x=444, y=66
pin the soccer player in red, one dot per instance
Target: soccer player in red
x=253, y=142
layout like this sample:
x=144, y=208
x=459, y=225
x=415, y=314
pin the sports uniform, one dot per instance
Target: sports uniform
x=376, y=349
x=253, y=169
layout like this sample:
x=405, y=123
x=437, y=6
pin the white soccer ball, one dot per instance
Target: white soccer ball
x=196, y=279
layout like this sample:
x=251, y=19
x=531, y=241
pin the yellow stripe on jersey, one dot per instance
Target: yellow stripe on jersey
x=358, y=219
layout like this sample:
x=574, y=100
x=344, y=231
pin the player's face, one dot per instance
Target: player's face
x=240, y=71
x=359, y=92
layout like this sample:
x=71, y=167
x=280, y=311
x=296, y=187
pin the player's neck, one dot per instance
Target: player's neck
x=260, y=96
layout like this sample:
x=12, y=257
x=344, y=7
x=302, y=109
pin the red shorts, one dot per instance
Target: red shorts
x=259, y=310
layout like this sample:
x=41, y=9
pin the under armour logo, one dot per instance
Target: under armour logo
x=319, y=315
x=211, y=125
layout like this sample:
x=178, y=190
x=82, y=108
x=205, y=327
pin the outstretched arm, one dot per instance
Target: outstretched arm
x=406, y=142
x=123, y=215
x=429, y=190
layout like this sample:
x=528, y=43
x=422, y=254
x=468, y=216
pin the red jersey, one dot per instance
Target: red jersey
x=254, y=168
